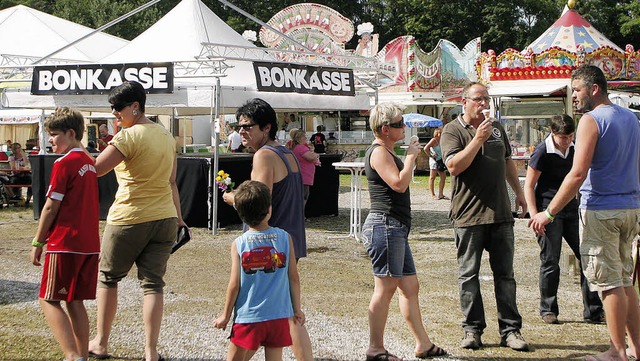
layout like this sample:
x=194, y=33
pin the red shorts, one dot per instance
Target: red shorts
x=250, y=336
x=69, y=277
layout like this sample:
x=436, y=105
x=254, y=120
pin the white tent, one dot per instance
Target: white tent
x=178, y=37
x=26, y=32
x=20, y=125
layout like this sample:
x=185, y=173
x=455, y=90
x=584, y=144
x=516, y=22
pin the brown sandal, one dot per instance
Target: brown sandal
x=434, y=351
x=385, y=356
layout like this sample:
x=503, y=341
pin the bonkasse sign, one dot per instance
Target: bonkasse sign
x=99, y=79
x=292, y=78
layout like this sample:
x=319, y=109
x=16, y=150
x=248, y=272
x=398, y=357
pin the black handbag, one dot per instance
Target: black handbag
x=184, y=236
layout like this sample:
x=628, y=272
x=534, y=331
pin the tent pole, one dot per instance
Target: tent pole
x=216, y=163
x=184, y=133
x=41, y=135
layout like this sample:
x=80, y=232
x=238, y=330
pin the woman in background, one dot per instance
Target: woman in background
x=307, y=158
x=436, y=165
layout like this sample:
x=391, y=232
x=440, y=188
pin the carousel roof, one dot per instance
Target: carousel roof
x=569, y=31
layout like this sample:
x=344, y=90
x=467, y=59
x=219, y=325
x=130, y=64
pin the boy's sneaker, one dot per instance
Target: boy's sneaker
x=515, y=341
x=471, y=340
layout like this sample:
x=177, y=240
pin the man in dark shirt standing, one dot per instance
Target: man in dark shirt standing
x=319, y=141
x=477, y=153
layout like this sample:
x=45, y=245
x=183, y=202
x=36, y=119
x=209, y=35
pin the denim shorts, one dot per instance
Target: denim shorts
x=386, y=241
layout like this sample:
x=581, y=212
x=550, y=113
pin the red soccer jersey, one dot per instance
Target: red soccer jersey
x=74, y=183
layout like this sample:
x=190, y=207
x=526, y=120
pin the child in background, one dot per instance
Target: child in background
x=69, y=227
x=264, y=287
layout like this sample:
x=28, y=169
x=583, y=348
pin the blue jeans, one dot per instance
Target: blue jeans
x=498, y=240
x=565, y=225
x=386, y=241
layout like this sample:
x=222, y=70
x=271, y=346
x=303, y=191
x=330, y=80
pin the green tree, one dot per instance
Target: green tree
x=630, y=23
x=95, y=13
x=501, y=24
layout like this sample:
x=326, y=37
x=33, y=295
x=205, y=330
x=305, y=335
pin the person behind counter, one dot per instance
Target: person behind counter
x=235, y=140
x=104, y=138
x=319, y=141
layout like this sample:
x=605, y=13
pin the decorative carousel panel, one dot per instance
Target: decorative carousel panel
x=611, y=61
x=510, y=58
x=423, y=68
x=556, y=57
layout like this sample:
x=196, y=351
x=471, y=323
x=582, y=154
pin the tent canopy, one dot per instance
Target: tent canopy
x=27, y=32
x=178, y=37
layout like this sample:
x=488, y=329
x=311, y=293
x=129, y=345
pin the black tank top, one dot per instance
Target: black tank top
x=383, y=198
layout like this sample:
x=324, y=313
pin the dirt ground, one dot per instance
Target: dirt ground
x=336, y=288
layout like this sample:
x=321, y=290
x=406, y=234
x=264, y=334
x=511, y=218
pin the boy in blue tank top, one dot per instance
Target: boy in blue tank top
x=264, y=287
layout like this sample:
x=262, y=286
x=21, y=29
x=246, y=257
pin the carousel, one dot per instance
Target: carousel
x=528, y=87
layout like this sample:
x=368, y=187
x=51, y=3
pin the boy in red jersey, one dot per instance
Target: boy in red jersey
x=69, y=227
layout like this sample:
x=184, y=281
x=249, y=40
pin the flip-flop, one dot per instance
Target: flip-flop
x=434, y=351
x=593, y=358
x=385, y=356
x=98, y=356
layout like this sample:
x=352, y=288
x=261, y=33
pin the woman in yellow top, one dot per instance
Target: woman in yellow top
x=144, y=218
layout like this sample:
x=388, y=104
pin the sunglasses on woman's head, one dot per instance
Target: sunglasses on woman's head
x=119, y=106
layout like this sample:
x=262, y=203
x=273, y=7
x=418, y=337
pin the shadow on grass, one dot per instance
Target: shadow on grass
x=423, y=223
x=17, y=291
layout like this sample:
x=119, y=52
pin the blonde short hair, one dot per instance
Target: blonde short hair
x=295, y=134
x=382, y=114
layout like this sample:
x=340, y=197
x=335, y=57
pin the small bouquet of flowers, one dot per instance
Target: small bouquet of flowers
x=224, y=182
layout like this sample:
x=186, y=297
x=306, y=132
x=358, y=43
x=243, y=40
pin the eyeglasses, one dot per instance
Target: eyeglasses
x=246, y=127
x=480, y=99
x=119, y=106
x=396, y=125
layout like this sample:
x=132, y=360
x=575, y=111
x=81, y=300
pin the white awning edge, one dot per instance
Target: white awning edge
x=527, y=87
